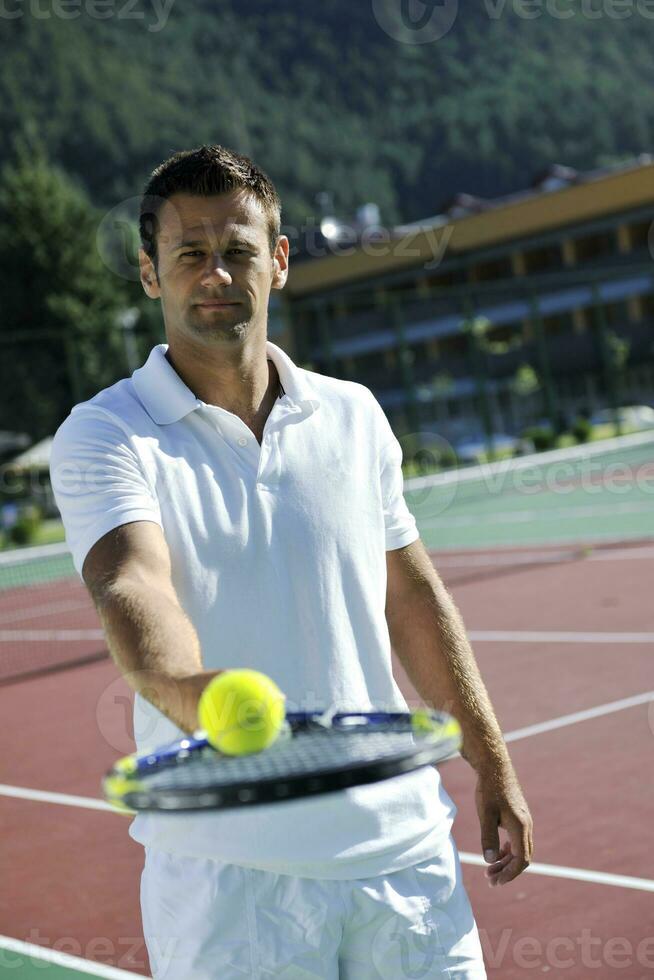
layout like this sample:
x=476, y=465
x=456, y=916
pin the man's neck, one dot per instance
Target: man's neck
x=247, y=387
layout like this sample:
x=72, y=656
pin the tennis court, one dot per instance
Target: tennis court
x=549, y=560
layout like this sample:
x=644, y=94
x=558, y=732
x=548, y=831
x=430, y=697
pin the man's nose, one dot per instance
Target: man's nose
x=216, y=269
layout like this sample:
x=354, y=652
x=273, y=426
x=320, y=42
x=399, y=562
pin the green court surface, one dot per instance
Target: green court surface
x=32, y=566
x=28, y=968
x=602, y=492
x=25, y=962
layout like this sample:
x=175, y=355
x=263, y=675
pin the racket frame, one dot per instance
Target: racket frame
x=439, y=739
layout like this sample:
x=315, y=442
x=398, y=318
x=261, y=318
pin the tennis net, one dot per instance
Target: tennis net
x=47, y=619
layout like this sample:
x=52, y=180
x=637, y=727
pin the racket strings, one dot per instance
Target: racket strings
x=306, y=753
x=313, y=757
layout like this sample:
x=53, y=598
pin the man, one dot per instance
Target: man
x=226, y=508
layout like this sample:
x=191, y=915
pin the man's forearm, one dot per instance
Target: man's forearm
x=429, y=638
x=156, y=647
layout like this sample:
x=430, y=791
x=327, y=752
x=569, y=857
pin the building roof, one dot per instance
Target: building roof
x=37, y=457
x=559, y=197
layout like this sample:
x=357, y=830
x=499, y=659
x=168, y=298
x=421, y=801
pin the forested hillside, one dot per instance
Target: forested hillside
x=324, y=99
x=319, y=95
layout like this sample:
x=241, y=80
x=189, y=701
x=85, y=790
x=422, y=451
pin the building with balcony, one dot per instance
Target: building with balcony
x=535, y=305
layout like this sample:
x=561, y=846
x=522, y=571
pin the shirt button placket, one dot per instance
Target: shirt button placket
x=262, y=481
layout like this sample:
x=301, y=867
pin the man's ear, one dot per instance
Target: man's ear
x=280, y=263
x=149, y=279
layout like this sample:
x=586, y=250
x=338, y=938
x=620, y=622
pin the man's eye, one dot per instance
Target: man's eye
x=241, y=251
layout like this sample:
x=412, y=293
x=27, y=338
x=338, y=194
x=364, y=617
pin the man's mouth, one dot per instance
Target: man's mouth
x=214, y=305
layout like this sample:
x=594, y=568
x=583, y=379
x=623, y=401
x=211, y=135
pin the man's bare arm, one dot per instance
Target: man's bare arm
x=429, y=638
x=151, y=639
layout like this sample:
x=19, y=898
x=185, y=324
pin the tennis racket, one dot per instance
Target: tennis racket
x=314, y=753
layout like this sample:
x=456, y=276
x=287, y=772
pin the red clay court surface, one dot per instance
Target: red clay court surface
x=576, y=633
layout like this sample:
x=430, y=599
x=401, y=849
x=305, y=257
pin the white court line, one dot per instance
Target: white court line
x=65, y=960
x=486, y=472
x=564, y=720
x=90, y=803
x=20, y=556
x=573, y=874
x=573, y=553
x=33, y=612
x=555, y=636
x=51, y=636
x=556, y=871
x=552, y=870
x=476, y=636
x=62, y=799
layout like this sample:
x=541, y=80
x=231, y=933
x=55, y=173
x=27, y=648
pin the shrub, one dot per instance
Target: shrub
x=542, y=438
x=582, y=429
x=26, y=527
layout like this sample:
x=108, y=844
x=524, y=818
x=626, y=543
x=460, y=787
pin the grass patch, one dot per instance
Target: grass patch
x=50, y=531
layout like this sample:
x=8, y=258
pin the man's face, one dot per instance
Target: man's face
x=214, y=250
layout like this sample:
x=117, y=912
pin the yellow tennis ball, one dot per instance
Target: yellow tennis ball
x=242, y=711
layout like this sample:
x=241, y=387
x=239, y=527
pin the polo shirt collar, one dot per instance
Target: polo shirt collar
x=167, y=399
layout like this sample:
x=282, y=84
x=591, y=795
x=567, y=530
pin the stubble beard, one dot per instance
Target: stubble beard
x=220, y=326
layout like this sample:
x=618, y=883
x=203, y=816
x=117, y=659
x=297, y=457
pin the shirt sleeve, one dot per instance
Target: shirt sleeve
x=98, y=481
x=399, y=522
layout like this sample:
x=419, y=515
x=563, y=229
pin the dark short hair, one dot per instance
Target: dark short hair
x=205, y=171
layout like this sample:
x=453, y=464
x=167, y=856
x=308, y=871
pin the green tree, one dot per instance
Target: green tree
x=324, y=99
x=58, y=337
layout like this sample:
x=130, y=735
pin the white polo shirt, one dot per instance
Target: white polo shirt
x=278, y=558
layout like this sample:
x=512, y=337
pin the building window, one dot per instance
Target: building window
x=648, y=306
x=456, y=345
x=501, y=268
x=543, y=259
x=595, y=246
x=558, y=325
x=507, y=334
x=359, y=303
x=443, y=280
x=616, y=314
x=642, y=233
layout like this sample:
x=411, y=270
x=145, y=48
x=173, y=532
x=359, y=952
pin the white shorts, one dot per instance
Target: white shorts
x=204, y=920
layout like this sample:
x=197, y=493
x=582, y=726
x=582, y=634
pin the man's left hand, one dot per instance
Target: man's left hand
x=501, y=803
